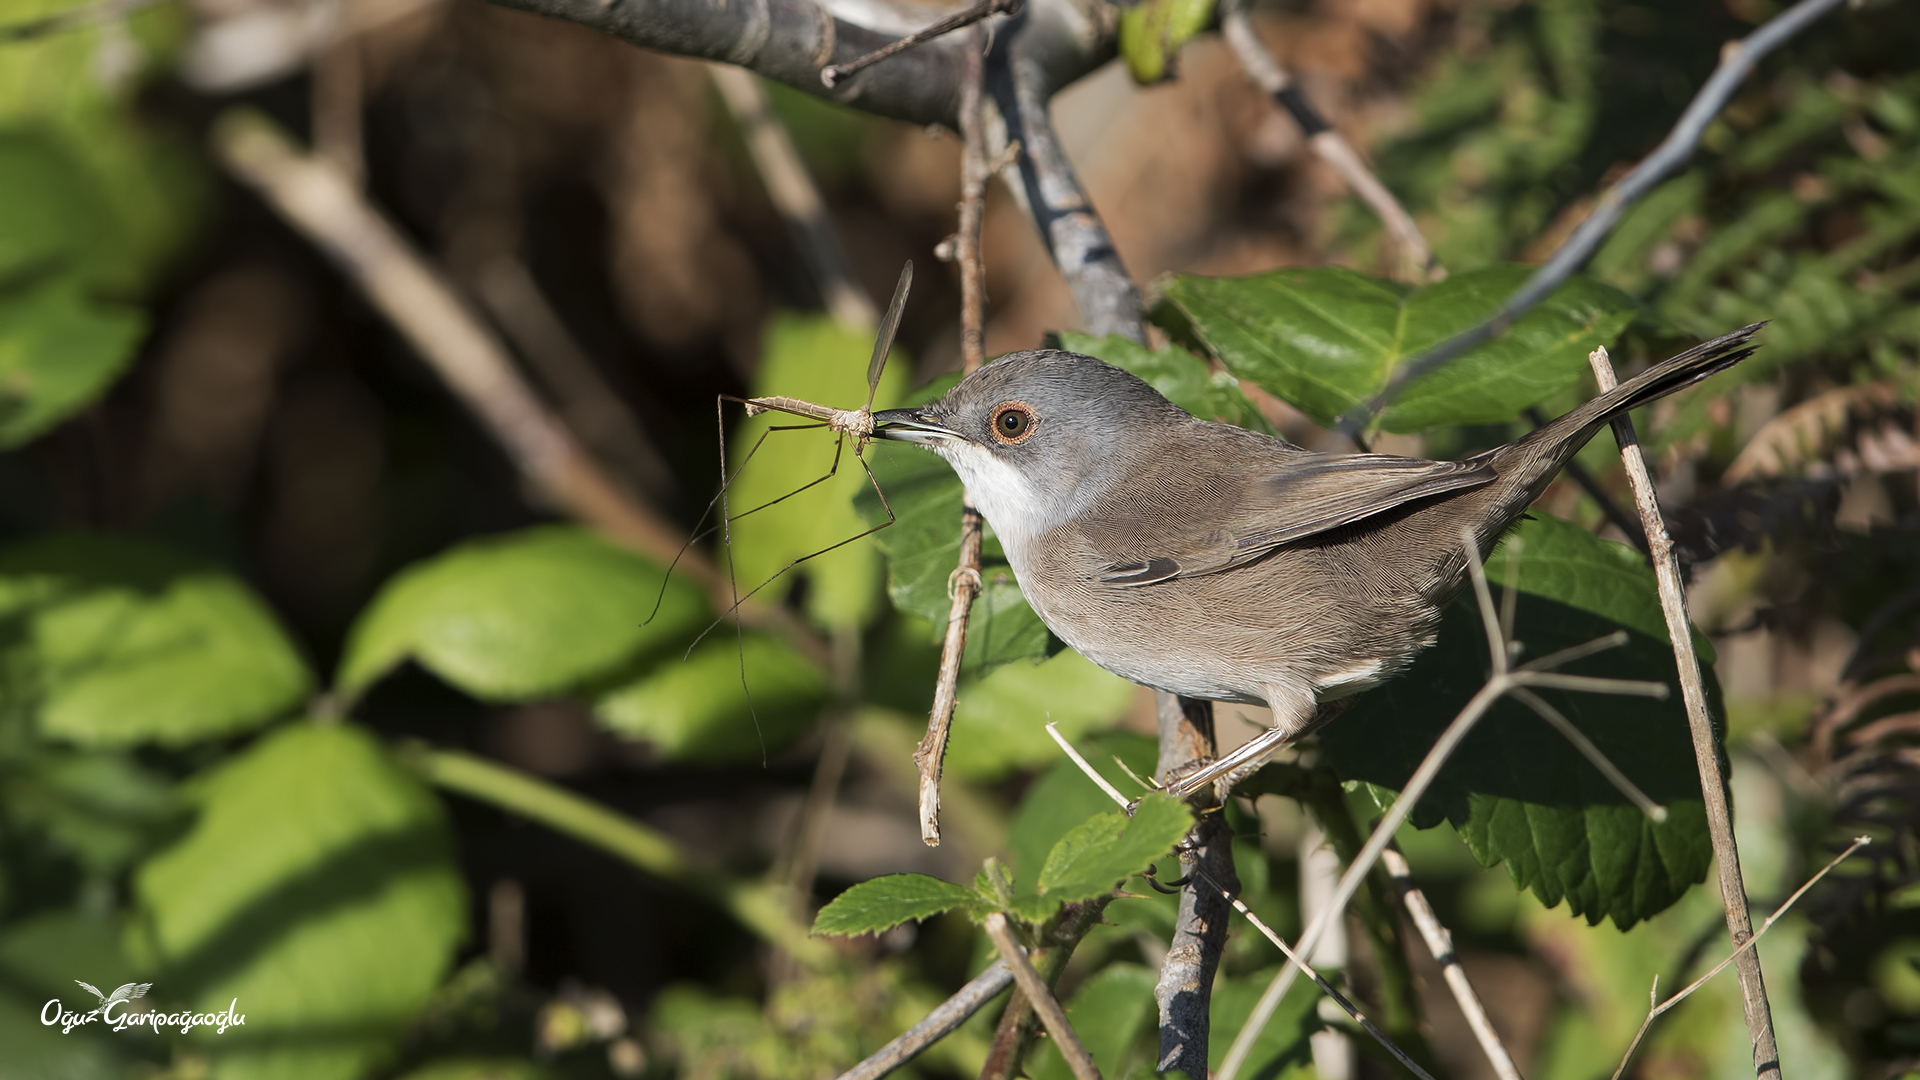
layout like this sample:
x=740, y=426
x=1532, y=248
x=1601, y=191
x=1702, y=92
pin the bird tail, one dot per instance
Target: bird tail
x=1697, y=363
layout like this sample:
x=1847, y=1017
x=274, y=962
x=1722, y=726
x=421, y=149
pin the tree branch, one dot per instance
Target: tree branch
x=1736, y=59
x=1044, y=1003
x=938, y=1024
x=1706, y=755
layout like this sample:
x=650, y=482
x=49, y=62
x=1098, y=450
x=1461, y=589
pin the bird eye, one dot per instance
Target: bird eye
x=1012, y=422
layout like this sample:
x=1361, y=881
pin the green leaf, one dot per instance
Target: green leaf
x=886, y=902
x=1001, y=721
x=1151, y=33
x=1327, y=339
x=40, y=957
x=105, y=809
x=810, y=357
x=1063, y=797
x=923, y=546
x=1515, y=789
x=120, y=643
x=50, y=214
x=522, y=615
x=1282, y=1049
x=695, y=709
x=1107, y=1012
x=318, y=889
x=1104, y=850
x=59, y=351
x=1180, y=376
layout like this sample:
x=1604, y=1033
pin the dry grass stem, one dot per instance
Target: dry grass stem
x=1673, y=605
x=1044, y=1003
x=1746, y=949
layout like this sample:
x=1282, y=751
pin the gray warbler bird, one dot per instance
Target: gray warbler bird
x=1218, y=563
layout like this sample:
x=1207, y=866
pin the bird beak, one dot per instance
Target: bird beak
x=909, y=425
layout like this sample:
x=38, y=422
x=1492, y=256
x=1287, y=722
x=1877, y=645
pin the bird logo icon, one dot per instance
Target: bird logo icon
x=125, y=993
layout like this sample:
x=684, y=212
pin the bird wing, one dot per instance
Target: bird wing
x=1303, y=497
x=95, y=991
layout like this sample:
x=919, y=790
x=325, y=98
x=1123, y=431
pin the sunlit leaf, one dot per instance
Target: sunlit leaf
x=123, y=643
x=695, y=709
x=1001, y=721
x=318, y=891
x=1099, y=853
x=58, y=352
x=522, y=615
x=1327, y=339
x=885, y=902
x=1152, y=31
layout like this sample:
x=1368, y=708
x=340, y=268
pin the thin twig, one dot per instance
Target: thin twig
x=831, y=75
x=1044, y=1003
x=1261, y=66
x=964, y=585
x=1440, y=944
x=318, y=201
x=1706, y=754
x=1231, y=895
x=1736, y=59
x=937, y=1025
x=1600, y=761
x=72, y=19
x=1745, y=949
x=794, y=194
x=1503, y=681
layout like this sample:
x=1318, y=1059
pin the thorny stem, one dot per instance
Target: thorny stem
x=1736, y=59
x=1040, y=996
x=1673, y=604
x=965, y=582
x=1745, y=949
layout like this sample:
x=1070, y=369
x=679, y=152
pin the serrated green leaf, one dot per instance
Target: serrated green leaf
x=1152, y=31
x=1178, y=375
x=318, y=888
x=1107, y=1012
x=1063, y=797
x=1104, y=850
x=522, y=615
x=814, y=358
x=885, y=902
x=696, y=710
x=59, y=351
x=1327, y=339
x=1515, y=789
x=922, y=547
x=121, y=643
x=1001, y=720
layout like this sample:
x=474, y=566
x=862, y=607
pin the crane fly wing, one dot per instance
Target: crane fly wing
x=889, y=325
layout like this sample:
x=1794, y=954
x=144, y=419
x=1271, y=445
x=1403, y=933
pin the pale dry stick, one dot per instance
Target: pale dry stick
x=1736, y=59
x=794, y=194
x=1440, y=944
x=964, y=585
x=1706, y=755
x=1655, y=1010
x=1238, y=905
x=589, y=405
x=944, y=1020
x=1326, y=141
x=831, y=75
x=318, y=201
x=1044, y=1003
x=1503, y=680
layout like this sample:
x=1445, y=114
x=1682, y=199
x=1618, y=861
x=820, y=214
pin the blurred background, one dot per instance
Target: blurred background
x=229, y=396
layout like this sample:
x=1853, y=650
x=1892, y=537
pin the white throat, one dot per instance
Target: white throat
x=1004, y=496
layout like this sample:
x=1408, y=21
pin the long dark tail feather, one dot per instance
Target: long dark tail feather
x=1700, y=362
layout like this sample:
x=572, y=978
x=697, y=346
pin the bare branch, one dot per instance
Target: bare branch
x=1031, y=984
x=1746, y=949
x=937, y=1025
x=1418, y=263
x=1075, y=237
x=314, y=197
x=1736, y=59
x=1706, y=754
x=1184, y=991
x=831, y=75
x=1440, y=944
x=793, y=193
